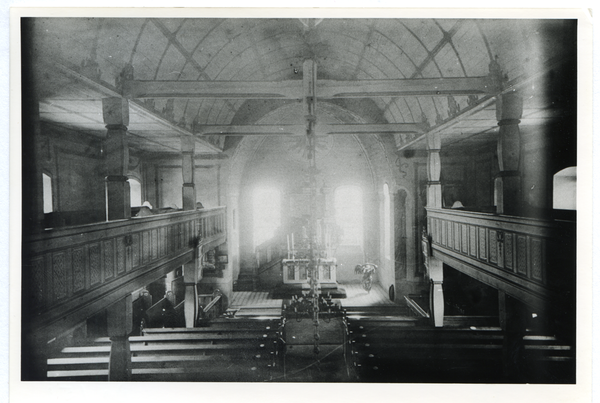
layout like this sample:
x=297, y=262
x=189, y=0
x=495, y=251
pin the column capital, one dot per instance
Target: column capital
x=115, y=111
x=434, y=141
x=188, y=143
x=509, y=106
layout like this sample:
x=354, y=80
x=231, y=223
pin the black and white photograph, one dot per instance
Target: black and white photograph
x=311, y=199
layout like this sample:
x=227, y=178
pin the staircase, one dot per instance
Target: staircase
x=247, y=281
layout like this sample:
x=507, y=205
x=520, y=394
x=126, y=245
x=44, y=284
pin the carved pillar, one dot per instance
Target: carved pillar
x=190, y=305
x=509, y=109
x=120, y=323
x=116, y=116
x=188, y=144
x=434, y=199
x=434, y=170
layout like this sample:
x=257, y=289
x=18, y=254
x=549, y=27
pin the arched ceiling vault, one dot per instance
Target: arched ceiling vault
x=216, y=78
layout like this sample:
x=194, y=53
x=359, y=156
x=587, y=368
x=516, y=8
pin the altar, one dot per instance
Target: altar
x=295, y=271
x=296, y=278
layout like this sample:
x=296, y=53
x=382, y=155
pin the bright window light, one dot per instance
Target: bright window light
x=349, y=214
x=267, y=214
x=387, y=217
x=565, y=189
x=47, y=189
x=135, y=192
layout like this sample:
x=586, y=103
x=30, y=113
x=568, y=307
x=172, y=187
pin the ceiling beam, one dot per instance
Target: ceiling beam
x=300, y=130
x=405, y=87
x=518, y=83
x=292, y=89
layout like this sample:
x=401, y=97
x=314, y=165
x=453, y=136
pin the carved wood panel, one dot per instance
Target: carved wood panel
x=522, y=255
x=457, y=236
x=473, y=240
x=482, y=244
x=78, y=269
x=465, y=238
x=493, y=246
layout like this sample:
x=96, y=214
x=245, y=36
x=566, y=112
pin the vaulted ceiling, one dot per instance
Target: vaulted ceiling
x=215, y=78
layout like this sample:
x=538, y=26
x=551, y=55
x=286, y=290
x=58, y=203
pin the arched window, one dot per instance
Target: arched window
x=267, y=213
x=47, y=193
x=348, y=206
x=135, y=192
x=565, y=189
x=387, y=217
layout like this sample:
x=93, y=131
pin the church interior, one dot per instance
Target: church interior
x=299, y=200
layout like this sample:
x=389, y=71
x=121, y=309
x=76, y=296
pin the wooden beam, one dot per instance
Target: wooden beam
x=321, y=129
x=292, y=89
x=249, y=130
x=405, y=87
x=213, y=89
x=382, y=128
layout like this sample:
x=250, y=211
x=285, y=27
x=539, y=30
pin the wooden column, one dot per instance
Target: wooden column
x=116, y=116
x=434, y=199
x=188, y=144
x=33, y=198
x=190, y=269
x=120, y=323
x=191, y=272
x=509, y=109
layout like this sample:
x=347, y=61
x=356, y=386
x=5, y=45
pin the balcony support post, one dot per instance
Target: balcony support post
x=434, y=199
x=191, y=276
x=120, y=325
x=187, y=163
x=507, y=186
x=115, y=112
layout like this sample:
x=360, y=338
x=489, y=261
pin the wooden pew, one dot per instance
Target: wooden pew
x=226, y=352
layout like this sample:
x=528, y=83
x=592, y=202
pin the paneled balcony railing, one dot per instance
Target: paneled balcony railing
x=531, y=259
x=71, y=273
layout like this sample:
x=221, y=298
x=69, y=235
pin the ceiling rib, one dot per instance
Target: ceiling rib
x=431, y=55
x=188, y=57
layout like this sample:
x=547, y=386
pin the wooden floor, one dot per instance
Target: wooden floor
x=358, y=297
x=251, y=303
